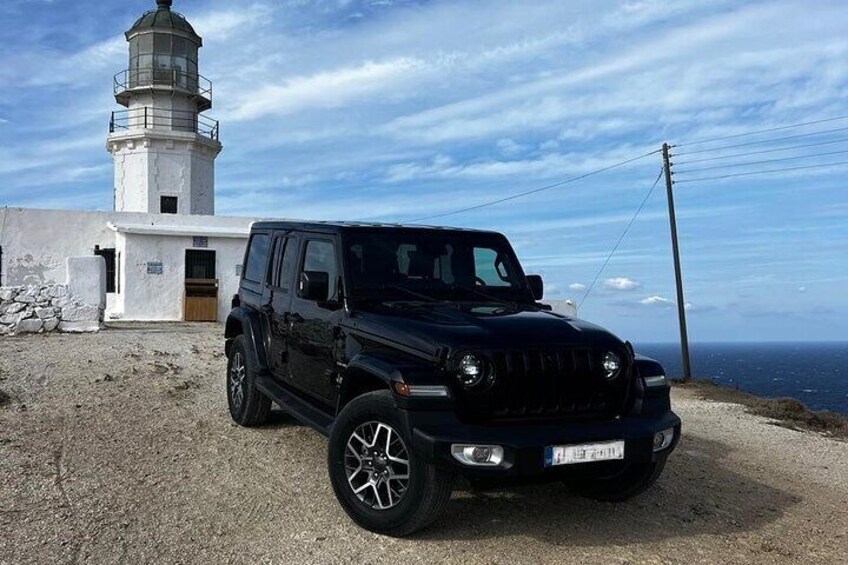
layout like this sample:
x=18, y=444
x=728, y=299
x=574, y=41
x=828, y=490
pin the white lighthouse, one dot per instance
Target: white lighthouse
x=162, y=146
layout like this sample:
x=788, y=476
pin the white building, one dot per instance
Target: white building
x=167, y=256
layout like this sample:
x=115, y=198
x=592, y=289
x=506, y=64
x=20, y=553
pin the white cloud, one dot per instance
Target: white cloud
x=656, y=300
x=621, y=283
x=325, y=89
x=577, y=287
x=509, y=147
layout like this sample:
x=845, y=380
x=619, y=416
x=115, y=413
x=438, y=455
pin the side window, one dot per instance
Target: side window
x=284, y=275
x=320, y=255
x=489, y=267
x=257, y=253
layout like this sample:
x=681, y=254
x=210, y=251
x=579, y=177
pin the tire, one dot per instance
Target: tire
x=248, y=406
x=417, y=501
x=634, y=480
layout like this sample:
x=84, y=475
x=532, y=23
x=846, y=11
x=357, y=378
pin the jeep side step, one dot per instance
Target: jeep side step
x=299, y=408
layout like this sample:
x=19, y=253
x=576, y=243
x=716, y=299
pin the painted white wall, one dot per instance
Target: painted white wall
x=151, y=163
x=36, y=243
x=149, y=296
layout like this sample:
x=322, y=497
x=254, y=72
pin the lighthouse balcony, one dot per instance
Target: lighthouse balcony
x=131, y=81
x=163, y=119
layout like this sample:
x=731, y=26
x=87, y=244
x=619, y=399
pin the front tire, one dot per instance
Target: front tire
x=248, y=406
x=634, y=480
x=378, y=479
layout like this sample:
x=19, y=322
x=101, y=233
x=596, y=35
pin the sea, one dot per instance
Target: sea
x=814, y=373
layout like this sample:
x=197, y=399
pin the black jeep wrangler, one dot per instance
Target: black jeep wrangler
x=423, y=354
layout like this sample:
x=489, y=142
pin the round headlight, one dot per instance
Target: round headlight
x=470, y=370
x=612, y=364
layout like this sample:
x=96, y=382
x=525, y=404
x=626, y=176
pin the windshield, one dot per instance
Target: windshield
x=433, y=265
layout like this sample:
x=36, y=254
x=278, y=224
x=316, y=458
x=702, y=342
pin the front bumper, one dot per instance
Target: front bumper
x=524, y=443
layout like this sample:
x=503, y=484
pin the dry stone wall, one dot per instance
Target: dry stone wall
x=45, y=308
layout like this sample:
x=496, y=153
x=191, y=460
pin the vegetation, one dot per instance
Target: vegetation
x=787, y=412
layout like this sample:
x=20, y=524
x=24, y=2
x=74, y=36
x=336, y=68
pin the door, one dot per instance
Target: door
x=281, y=288
x=312, y=324
x=201, y=286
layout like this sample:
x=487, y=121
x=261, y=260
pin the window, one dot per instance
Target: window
x=167, y=204
x=257, y=253
x=489, y=267
x=320, y=256
x=199, y=264
x=108, y=255
x=398, y=264
x=284, y=275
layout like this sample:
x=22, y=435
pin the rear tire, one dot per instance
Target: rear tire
x=248, y=406
x=367, y=450
x=636, y=479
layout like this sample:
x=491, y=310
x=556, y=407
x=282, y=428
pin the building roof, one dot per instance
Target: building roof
x=180, y=230
x=163, y=18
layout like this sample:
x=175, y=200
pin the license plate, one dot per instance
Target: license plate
x=583, y=453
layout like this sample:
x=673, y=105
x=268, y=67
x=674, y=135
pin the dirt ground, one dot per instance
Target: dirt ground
x=118, y=448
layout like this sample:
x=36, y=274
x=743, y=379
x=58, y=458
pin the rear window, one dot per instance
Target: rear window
x=257, y=253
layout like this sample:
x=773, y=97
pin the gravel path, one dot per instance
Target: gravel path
x=117, y=448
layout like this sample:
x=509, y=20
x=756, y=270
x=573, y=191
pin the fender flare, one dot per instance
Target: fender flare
x=380, y=370
x=246, y=322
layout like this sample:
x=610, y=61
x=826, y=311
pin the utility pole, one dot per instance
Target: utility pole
x=678, y=276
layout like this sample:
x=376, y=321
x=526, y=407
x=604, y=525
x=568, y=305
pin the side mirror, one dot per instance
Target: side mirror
x=314, y=285
x=537, y=286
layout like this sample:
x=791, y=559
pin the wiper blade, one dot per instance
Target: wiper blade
x=487, y=296
x=412, y=293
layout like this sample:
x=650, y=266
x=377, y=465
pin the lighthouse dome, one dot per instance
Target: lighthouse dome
x=162, y=19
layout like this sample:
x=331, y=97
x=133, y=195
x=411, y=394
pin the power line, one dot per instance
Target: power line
x=811, y=134
x=775, y=150
x=620, y=239
x=748, y=163
x=779, y=128
x=763, y=172
x=535, y=190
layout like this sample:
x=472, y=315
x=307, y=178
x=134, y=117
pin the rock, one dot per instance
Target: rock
x=8, y=293
x=14, y=307
x=51, y=324
x=81, y=313
x=79, y=326
x=11, y=319
x=60, y=302
x=31, y=325
x=44, y=313
x=5, y=330
x=25, y=298
x=58, y=291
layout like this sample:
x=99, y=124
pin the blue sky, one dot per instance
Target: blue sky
x=392, y=110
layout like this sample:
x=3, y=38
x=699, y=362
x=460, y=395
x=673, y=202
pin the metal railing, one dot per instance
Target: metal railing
x=161, y=118
x=193, y=83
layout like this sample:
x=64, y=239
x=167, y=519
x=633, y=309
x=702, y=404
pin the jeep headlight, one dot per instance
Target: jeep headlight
x=471, y=370
x=612, y=364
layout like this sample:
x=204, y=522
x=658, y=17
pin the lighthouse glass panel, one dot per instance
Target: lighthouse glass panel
x=163, y=58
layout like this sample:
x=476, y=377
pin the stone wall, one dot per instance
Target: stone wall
x=45, y=308
x=76, y=306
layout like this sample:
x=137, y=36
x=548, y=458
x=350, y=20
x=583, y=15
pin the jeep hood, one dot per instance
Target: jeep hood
x=430, y=327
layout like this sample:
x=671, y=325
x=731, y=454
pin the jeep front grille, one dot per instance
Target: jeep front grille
x=553, y=384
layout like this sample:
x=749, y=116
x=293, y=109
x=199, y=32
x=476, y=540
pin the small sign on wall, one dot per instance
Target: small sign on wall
x=200, y=241
x=154, y=268
x=238, y=270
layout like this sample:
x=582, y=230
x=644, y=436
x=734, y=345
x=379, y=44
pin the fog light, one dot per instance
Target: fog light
x=663, y=439
x=478, y=455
